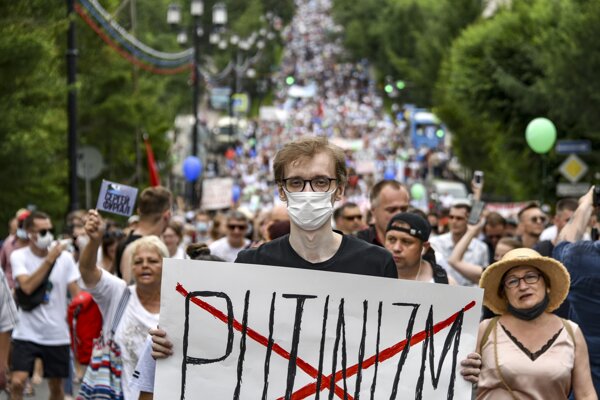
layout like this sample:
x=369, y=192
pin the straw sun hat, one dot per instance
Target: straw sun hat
x=557, y=278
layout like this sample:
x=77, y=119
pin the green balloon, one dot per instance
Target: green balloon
x=417, y=191
x=540, y=135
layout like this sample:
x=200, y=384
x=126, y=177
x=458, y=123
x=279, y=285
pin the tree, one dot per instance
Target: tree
x=32, y=105
x=504, y=72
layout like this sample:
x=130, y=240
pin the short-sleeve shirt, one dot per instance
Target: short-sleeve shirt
x=222, y=248
x=47, y=323
x=132, y=330
x=477, y=253
x=582, y=260
x=354, y=256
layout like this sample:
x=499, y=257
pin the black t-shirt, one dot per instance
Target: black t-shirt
x=354, y=256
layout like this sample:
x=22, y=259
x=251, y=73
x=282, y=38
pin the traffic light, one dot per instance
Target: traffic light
x=400, y=85
x=389, y=88
x=290, y=80
x=439, y=132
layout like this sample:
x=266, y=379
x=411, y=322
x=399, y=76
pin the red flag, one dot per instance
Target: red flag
x=152, y=169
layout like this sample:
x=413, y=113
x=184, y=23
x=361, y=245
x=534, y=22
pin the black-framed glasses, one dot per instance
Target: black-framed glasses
x=538, y=219
x=43, y=232
x=529, y=278
x=317, y=184
x=233, y=227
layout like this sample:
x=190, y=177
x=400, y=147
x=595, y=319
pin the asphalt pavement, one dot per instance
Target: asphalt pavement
x=40, y=392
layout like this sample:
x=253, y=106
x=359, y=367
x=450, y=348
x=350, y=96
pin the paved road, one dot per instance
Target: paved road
x=41, y=393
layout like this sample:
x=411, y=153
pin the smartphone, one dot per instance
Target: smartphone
x=478, y=178
x=596, y=195
x=476, y=211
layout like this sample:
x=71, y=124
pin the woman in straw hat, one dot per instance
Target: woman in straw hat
x=527, y=352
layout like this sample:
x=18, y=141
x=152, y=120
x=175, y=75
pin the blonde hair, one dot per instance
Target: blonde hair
x=149, y=242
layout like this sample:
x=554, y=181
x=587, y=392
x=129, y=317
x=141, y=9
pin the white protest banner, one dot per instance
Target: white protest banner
x=116, y=198
x=257, y=332
x=216, y=193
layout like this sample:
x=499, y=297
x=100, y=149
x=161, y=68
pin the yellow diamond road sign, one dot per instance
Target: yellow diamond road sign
x=573, y=168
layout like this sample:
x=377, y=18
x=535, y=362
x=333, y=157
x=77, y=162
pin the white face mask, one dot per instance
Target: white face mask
x=309, y=210
x=43, y=242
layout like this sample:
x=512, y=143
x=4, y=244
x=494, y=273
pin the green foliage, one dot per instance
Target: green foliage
x=117, y=102
x=405, y=39
x=32, y=94
x=516, y=66
x=487, y=78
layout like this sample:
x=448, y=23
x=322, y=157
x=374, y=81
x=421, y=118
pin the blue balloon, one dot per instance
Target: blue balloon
x=389, y=174
x=192, y=168
x=236, y=192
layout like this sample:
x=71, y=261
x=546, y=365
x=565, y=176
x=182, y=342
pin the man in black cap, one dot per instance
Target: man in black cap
x=407, y=238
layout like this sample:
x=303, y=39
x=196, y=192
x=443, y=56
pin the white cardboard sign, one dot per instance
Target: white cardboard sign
x=257, y=332
x=216, y=193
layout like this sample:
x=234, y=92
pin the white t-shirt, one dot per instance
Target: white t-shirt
x=132, y=330
x=221, y=248
x=47, y=323
x=549, y=233
x=477, y=253
x=180, y=253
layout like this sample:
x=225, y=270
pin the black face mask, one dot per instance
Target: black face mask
x=528, y=314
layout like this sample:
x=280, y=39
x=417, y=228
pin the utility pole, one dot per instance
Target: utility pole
x=197, y=31
x=72, y=109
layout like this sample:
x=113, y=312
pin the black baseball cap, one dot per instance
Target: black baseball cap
x=419, y=227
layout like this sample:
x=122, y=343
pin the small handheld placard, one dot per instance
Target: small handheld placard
x=116, y=198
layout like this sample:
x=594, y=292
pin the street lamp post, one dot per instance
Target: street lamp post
x=219, y=19
x=72, y=109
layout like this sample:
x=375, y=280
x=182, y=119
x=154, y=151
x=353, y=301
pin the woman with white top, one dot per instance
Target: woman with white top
x=143, y=306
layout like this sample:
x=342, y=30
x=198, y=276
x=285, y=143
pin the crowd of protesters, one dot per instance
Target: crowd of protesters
x=408, y=235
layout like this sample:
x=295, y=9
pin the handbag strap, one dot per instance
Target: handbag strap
x=120, y=310
x=498, y=364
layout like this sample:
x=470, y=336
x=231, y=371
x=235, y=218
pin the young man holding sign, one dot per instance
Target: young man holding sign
x=311, y=175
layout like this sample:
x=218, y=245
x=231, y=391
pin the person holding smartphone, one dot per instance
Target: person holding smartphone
x=470, y=258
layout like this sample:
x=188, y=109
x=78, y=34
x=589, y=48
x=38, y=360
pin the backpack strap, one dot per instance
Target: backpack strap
x=569, y=330
x=439, y=274
x=488, y=329
x=120, y=310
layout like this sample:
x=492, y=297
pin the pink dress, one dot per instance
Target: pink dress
x=547, y=377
